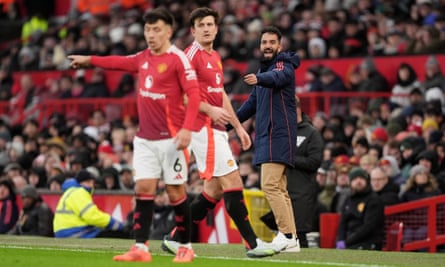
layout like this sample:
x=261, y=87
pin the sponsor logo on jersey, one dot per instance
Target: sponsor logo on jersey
x=218, y=78
x=148, y=82
x=154, y=96
x=214, y=89
x=162, y=67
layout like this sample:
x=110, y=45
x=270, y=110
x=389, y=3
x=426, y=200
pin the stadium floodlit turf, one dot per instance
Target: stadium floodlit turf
x=47, y=252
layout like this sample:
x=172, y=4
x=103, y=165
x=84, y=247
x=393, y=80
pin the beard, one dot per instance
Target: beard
x=268, y=56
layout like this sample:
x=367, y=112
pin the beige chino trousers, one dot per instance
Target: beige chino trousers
x=274, y=186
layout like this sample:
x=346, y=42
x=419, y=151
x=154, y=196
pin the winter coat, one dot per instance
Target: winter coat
x=362, y=221
x=9, y=213
x=77, y=216
x=389, y=194
x=375, y=82
x=301, y=180
x=273, y=102
x=36, y=220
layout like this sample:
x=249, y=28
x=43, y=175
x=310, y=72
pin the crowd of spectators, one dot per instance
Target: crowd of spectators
x=404, y=134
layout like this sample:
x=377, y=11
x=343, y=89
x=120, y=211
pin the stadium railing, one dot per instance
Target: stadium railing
x=423, y=223
x=412, y=226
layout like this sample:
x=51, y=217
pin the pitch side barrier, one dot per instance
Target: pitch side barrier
x=412, y=226
x=340, y=103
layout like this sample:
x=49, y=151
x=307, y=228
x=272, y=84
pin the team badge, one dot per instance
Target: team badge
x=230, y=163
x=361, y=207
x=162, y=67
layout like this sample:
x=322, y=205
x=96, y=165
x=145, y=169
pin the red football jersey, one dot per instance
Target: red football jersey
x=210, y=74
x=162, y=82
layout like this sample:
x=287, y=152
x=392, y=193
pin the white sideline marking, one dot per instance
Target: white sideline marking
x=204, y=257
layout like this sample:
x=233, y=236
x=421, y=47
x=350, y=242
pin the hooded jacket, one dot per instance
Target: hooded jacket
x=77, y=216
x=273, y=102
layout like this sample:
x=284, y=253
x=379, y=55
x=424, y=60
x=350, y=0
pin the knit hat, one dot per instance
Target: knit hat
x=358, y=172
x=29, y=191
x=393, y=128
x=84, y=175
x=417, y=169
x=406, y=144
x=415, y=128
x=430, y=123
x=435, y=93
x=341, y=160
x=379, y=133
x=432, y=61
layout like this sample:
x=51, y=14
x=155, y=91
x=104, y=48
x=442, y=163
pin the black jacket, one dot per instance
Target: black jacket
x=362, y=221
x=301, y=180
x=389, y=195
x=36, y=220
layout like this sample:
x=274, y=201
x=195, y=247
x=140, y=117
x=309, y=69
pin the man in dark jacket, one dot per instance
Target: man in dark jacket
x=384, y=187
x=362, y=220
x=302, y=184
x=273, y=101
x=36, y=218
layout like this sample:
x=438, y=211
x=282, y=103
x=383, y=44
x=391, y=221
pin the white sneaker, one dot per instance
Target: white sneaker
x=262, y=249
x=170, y=246
x=286, y=244
x=293, y=249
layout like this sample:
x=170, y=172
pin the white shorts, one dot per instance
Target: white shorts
x=212, y=151
x=159, y=159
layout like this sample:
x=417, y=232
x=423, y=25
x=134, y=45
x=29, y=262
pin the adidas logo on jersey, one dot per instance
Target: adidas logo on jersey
x=144, y=66
x=209, y=66
x=178, y=176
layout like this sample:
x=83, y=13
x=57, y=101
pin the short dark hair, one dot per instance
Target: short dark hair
x=202, y=12
x=160, y=13
x=272, y=30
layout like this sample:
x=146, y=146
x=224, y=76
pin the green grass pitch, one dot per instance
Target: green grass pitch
x=19, y=251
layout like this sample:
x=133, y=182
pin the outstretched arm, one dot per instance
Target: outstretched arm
x=78, y=61
x=125, y=63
